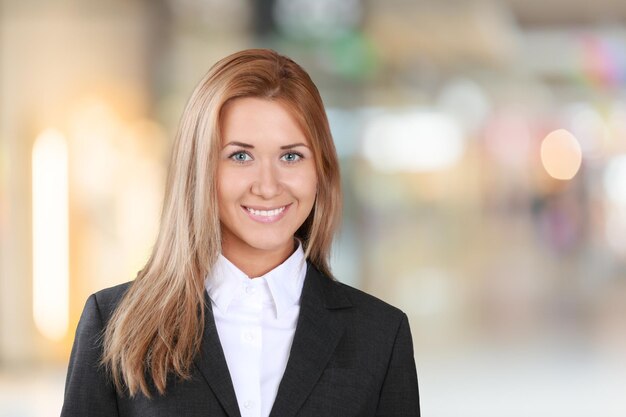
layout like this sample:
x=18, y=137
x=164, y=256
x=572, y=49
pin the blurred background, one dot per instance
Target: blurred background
x=483, y=152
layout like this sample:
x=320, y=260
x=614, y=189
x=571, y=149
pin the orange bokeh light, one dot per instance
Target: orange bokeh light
x=561, y=154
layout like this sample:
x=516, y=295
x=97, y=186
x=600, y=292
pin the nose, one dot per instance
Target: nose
x=267, y=184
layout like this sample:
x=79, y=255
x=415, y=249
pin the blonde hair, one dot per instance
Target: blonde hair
x=157, y=328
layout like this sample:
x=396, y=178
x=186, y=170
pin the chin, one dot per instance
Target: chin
x=269, y=243
x=269, y=246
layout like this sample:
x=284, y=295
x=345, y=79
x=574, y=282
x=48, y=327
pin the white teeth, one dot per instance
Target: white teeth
x=266, y=213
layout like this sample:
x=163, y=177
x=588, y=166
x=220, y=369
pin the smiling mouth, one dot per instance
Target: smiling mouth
x=266, y=216
x=266, y=213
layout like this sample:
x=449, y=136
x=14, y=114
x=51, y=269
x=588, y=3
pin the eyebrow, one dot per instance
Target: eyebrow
x=248, y=146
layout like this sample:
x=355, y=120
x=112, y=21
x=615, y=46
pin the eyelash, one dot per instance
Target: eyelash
x=298, y=154
x=232, y=156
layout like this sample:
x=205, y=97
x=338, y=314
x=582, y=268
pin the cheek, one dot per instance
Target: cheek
x=304, y=186
x=227, y=196
x=230, y=185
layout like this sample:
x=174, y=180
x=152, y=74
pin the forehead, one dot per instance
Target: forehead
x=252, y=118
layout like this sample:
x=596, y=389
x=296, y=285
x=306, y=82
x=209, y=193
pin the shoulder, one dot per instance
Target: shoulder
x=369, y=305
x=373, y=328
x=112, y=295
x=364, y=307
x=106, y=300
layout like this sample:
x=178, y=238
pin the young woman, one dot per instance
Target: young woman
x=236, y=312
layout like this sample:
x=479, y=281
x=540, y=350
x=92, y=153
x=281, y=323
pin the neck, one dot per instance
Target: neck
x=256, y=262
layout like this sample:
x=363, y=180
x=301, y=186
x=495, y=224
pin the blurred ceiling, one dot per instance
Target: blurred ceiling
x=567, y=12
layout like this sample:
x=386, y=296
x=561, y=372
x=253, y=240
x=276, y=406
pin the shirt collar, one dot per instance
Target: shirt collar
x=226, y=281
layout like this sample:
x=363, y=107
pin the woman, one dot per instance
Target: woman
x=236, y=312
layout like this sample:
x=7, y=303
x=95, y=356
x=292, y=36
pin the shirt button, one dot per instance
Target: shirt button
x=250, y=290
x=249, y=336
x=248, y=404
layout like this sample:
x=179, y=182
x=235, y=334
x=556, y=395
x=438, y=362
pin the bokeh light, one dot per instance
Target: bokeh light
x=615, y=180
x=416, y=141
x=561, y=154
x=50, y=234
x=467, y=102
x=317, y=19
x=615, y=189
x=589, y=128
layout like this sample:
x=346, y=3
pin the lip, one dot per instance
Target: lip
x=266, y=219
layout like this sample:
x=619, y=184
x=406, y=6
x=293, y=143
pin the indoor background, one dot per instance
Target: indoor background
x=483, y=154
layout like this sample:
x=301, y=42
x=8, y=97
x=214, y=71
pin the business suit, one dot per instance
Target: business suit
x=352, y=355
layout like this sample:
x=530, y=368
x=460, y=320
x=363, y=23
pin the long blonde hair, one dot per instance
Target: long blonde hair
x=157, y=328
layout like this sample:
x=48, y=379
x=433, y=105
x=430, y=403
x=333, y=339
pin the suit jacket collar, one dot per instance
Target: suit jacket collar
x=318, y=331
x=212, y=363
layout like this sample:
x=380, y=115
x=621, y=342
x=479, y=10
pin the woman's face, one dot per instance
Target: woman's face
x=266, y=178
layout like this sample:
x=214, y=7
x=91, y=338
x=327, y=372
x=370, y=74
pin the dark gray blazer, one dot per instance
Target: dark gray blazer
x=352, y=355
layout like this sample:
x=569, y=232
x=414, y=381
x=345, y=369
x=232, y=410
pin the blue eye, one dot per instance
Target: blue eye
x=240, y=156
x=292, y=157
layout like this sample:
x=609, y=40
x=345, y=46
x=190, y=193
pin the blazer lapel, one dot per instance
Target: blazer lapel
x=212, y=364
x=318, y=331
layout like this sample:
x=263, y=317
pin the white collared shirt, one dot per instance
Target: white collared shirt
x=256, y=321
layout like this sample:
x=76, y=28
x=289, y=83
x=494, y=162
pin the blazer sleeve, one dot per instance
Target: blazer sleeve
x=399, y=396
x=88, y=391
